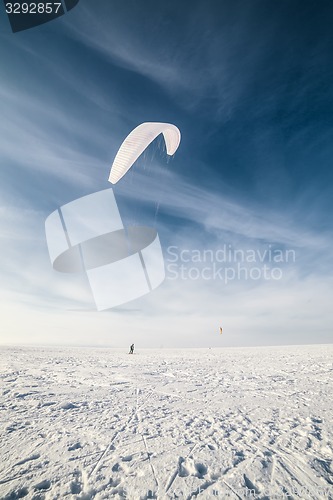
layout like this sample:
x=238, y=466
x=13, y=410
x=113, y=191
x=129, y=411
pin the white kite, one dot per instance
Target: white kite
x=137, y=141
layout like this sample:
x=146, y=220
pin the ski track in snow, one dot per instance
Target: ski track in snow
x=234, y=423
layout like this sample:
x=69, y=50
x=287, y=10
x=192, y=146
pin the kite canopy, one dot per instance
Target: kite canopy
x=137, y=141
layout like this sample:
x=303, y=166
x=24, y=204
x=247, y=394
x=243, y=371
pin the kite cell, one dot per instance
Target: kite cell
x=137, y=141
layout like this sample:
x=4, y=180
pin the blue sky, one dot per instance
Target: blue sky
x=249, y=84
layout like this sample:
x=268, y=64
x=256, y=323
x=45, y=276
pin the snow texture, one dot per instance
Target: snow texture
x=233, y=423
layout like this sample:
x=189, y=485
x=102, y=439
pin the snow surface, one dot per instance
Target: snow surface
x=210, y=423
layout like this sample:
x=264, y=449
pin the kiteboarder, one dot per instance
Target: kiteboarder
x=131, y=349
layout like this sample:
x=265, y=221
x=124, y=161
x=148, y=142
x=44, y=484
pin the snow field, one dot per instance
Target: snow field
x=233, y=423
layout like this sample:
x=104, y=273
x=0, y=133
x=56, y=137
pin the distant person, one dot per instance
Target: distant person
x=131, y=349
